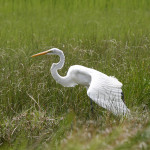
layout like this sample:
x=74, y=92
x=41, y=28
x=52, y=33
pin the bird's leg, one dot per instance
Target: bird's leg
x=91, y=105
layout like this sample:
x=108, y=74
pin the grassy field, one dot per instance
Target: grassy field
x=111, y=36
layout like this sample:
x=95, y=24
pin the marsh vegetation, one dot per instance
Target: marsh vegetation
x=110, y=36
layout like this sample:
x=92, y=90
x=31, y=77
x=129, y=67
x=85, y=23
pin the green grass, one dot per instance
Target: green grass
x=110, y=36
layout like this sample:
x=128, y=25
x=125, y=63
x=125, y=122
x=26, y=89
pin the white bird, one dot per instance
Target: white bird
x=102, y=89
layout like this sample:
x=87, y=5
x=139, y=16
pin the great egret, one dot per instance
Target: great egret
x=102, y=89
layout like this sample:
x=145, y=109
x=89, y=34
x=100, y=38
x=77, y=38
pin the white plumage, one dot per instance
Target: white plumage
x=102, y=89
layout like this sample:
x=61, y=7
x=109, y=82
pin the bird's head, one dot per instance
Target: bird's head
x=53, y=51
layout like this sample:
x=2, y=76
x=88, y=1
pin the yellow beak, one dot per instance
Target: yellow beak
x=42, y=53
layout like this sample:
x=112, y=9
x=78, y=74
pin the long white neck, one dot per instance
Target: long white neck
x=56, y=66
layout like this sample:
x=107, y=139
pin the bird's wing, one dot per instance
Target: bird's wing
x=106, y=92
